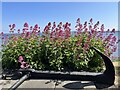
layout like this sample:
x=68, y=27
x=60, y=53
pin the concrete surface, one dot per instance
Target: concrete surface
x=51, y=84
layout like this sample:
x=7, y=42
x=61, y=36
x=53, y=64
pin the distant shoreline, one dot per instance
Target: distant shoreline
x=71, y=31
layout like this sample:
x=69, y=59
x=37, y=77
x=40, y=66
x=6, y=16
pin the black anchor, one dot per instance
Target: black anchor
x=107, y=77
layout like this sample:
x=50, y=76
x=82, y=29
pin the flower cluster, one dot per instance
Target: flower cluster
x=23, y=64
x=56, y=47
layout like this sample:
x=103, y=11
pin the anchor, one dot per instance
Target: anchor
x=107, y=77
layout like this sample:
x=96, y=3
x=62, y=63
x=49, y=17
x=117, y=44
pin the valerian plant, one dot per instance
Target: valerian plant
x=57, y=47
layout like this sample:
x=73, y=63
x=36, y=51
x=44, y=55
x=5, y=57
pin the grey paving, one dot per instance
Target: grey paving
x=50, y=84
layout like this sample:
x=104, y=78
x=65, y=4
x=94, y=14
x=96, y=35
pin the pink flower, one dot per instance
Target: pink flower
x=6, y=37
x=86, y=29
x=113, y=57
x=60, y=33
x=88, y=39
x=36, y=26
x=20, y=59
x=113, y=30
x=13, y=26
x=27, y=65
x=54, y=25
x=85, y=24
x=2, y=33
x=108, y=30
x=80, y=26
x=23, y=35
x=28, y=34
x=107, y=47
x=67, y=32
x=23, y=63
x=66, y=25
x=35, y=29
x=22, y=66
x=60, y=23
x=118, y=41
x=90, y=27
x=79, y=42
x=98, y=23
x=10, y=26
x=95, y=26
x=78, y=20
x=102, y=28
x=38, y=31
x=24, y=30
x=86, y=46
x=30, y=27
x=49, y=24
x=114, y=38
x=108, y=38
x=15, y=39
x=114, y=49
x=26, y=25
x=52, y=33
x=46, y=28
x=78, y=33
x=92, y=31
x=18, y=30
x=27, y=50
x=41, y=39
x=91, y=20
x=69, y=24
x=106, y=52
x=90, y=36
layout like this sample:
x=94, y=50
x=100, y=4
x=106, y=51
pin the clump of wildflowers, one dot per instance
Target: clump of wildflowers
x=56, y=47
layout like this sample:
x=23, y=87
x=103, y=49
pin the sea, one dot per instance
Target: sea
x=114, y=55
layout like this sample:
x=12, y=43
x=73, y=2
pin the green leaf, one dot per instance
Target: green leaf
x=27, y=56
x=47, y=45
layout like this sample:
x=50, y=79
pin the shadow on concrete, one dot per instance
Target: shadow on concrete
x=77, y=85
x=103, y=86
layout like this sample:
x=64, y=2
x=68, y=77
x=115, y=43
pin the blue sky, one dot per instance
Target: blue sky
x=43, y=12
